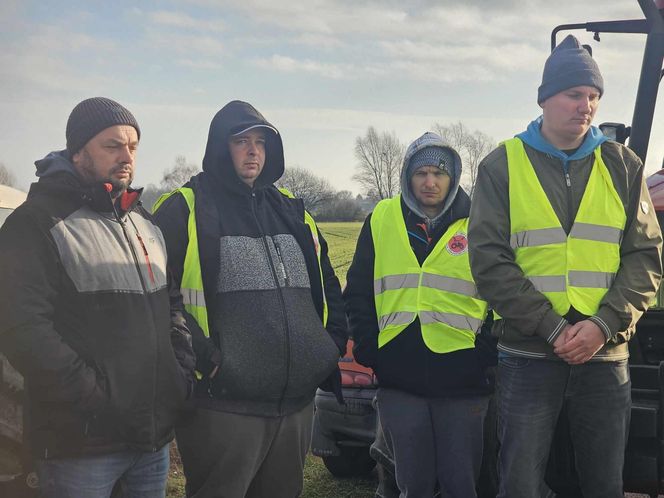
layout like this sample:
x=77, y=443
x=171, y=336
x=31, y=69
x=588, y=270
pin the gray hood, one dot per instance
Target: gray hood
x=428, y=140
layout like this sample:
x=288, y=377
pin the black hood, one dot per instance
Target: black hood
x=233, y=118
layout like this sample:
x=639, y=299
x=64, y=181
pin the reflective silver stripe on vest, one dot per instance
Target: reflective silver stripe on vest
x=399, y=318
x=599, y=233
x=457, y=321
x=193, y=297
x=449, y=284
x=395, y=282
x=548, y=283
x=540, y=237
x=596, y=279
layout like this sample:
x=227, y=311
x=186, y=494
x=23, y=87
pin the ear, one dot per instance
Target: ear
x=75, y=158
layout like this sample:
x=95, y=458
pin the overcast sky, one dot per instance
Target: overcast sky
x=321, y=71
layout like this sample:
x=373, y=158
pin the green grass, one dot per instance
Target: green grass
x=318, y=482
x=341, y=239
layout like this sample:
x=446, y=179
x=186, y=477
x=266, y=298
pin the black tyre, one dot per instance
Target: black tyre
x=354, y=461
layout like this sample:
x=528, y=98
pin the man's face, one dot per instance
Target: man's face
x=248, y=154
x=568, y=116
x=109, y=158
x=430, y=185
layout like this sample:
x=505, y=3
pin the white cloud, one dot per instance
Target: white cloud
x=288, y=64
x=184, y=44
x=182, y=20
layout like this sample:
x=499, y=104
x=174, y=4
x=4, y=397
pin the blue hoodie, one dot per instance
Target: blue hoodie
x=533, y=137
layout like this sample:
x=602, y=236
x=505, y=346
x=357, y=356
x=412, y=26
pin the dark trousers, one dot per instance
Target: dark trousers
x=531, y=394
x=433, y=440
x=226, y=455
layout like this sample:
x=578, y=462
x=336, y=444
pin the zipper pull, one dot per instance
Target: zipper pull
x=567, y=180
x=147, y=257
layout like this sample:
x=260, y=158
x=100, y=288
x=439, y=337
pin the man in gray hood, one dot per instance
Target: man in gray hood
x=415, y=317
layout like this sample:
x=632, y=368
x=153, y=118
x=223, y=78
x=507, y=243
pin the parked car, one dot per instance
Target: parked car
x=342, y=434
x=15, y=481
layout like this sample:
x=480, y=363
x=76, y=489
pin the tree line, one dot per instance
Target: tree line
x=379, y=157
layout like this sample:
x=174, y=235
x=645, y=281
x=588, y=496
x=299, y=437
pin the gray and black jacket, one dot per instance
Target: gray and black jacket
x=89, y=320
x=261, y=282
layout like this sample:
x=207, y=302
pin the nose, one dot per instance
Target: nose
x=253, y=148
x=584, y=105
x=429, y=181
x=126, y=155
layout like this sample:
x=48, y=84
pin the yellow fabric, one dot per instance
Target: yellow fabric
x=404, y=290
x=571, y=257
x=192, y=279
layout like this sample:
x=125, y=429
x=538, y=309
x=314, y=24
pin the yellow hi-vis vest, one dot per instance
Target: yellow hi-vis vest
x=191, y=286
x=441, y=292
x=570, y=270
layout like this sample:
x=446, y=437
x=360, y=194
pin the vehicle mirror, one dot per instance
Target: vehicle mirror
x=616, y=131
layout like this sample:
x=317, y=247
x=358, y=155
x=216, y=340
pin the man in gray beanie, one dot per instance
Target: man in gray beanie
x=416, y=319
x=566, y=248
x=89, y=317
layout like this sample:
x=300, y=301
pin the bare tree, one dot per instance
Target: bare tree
x=380, y=156
x=305, y=185
x=472, y=146
x=6, y=176
x=179, y=174
x=342, y=206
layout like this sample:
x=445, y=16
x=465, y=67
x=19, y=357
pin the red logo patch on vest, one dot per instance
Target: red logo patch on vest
x=458, y=244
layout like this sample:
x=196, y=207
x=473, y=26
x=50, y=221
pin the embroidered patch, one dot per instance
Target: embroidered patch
x=458, y=244
x=644, y=207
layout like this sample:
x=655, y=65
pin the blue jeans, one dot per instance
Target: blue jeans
x=531, y=394
x=140, y=475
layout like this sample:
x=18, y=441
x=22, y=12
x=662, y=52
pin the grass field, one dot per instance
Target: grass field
x=318, y=482
x=341, y=239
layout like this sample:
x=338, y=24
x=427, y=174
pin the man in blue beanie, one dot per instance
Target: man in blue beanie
x=566, y=248
x=416, y=318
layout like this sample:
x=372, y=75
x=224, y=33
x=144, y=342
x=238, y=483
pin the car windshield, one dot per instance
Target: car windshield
x=4, y=212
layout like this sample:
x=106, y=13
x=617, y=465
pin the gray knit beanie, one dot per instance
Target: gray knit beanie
x=432, y=156
x=569, y=65
x=93, y=116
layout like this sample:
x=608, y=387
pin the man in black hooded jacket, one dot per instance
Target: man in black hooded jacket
x=265, y=311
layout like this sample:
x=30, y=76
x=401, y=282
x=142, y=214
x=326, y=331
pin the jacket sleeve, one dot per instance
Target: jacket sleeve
x=180, y=335
x=30, y=286
x=359, y=299
x=172, y=217
x=640, y=269
x=500, y=281
x=337, y=325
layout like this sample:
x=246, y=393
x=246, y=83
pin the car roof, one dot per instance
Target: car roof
x=11, y=197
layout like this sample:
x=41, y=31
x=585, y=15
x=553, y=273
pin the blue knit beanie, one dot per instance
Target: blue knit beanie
x=432, y=156
x=569, y=65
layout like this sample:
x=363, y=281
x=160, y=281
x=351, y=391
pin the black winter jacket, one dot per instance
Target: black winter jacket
x=88, y=319
x=405, y=362
x=261, y=281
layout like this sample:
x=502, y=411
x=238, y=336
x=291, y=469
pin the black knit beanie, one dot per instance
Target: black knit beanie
x=569, y=65
x=93, y=116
